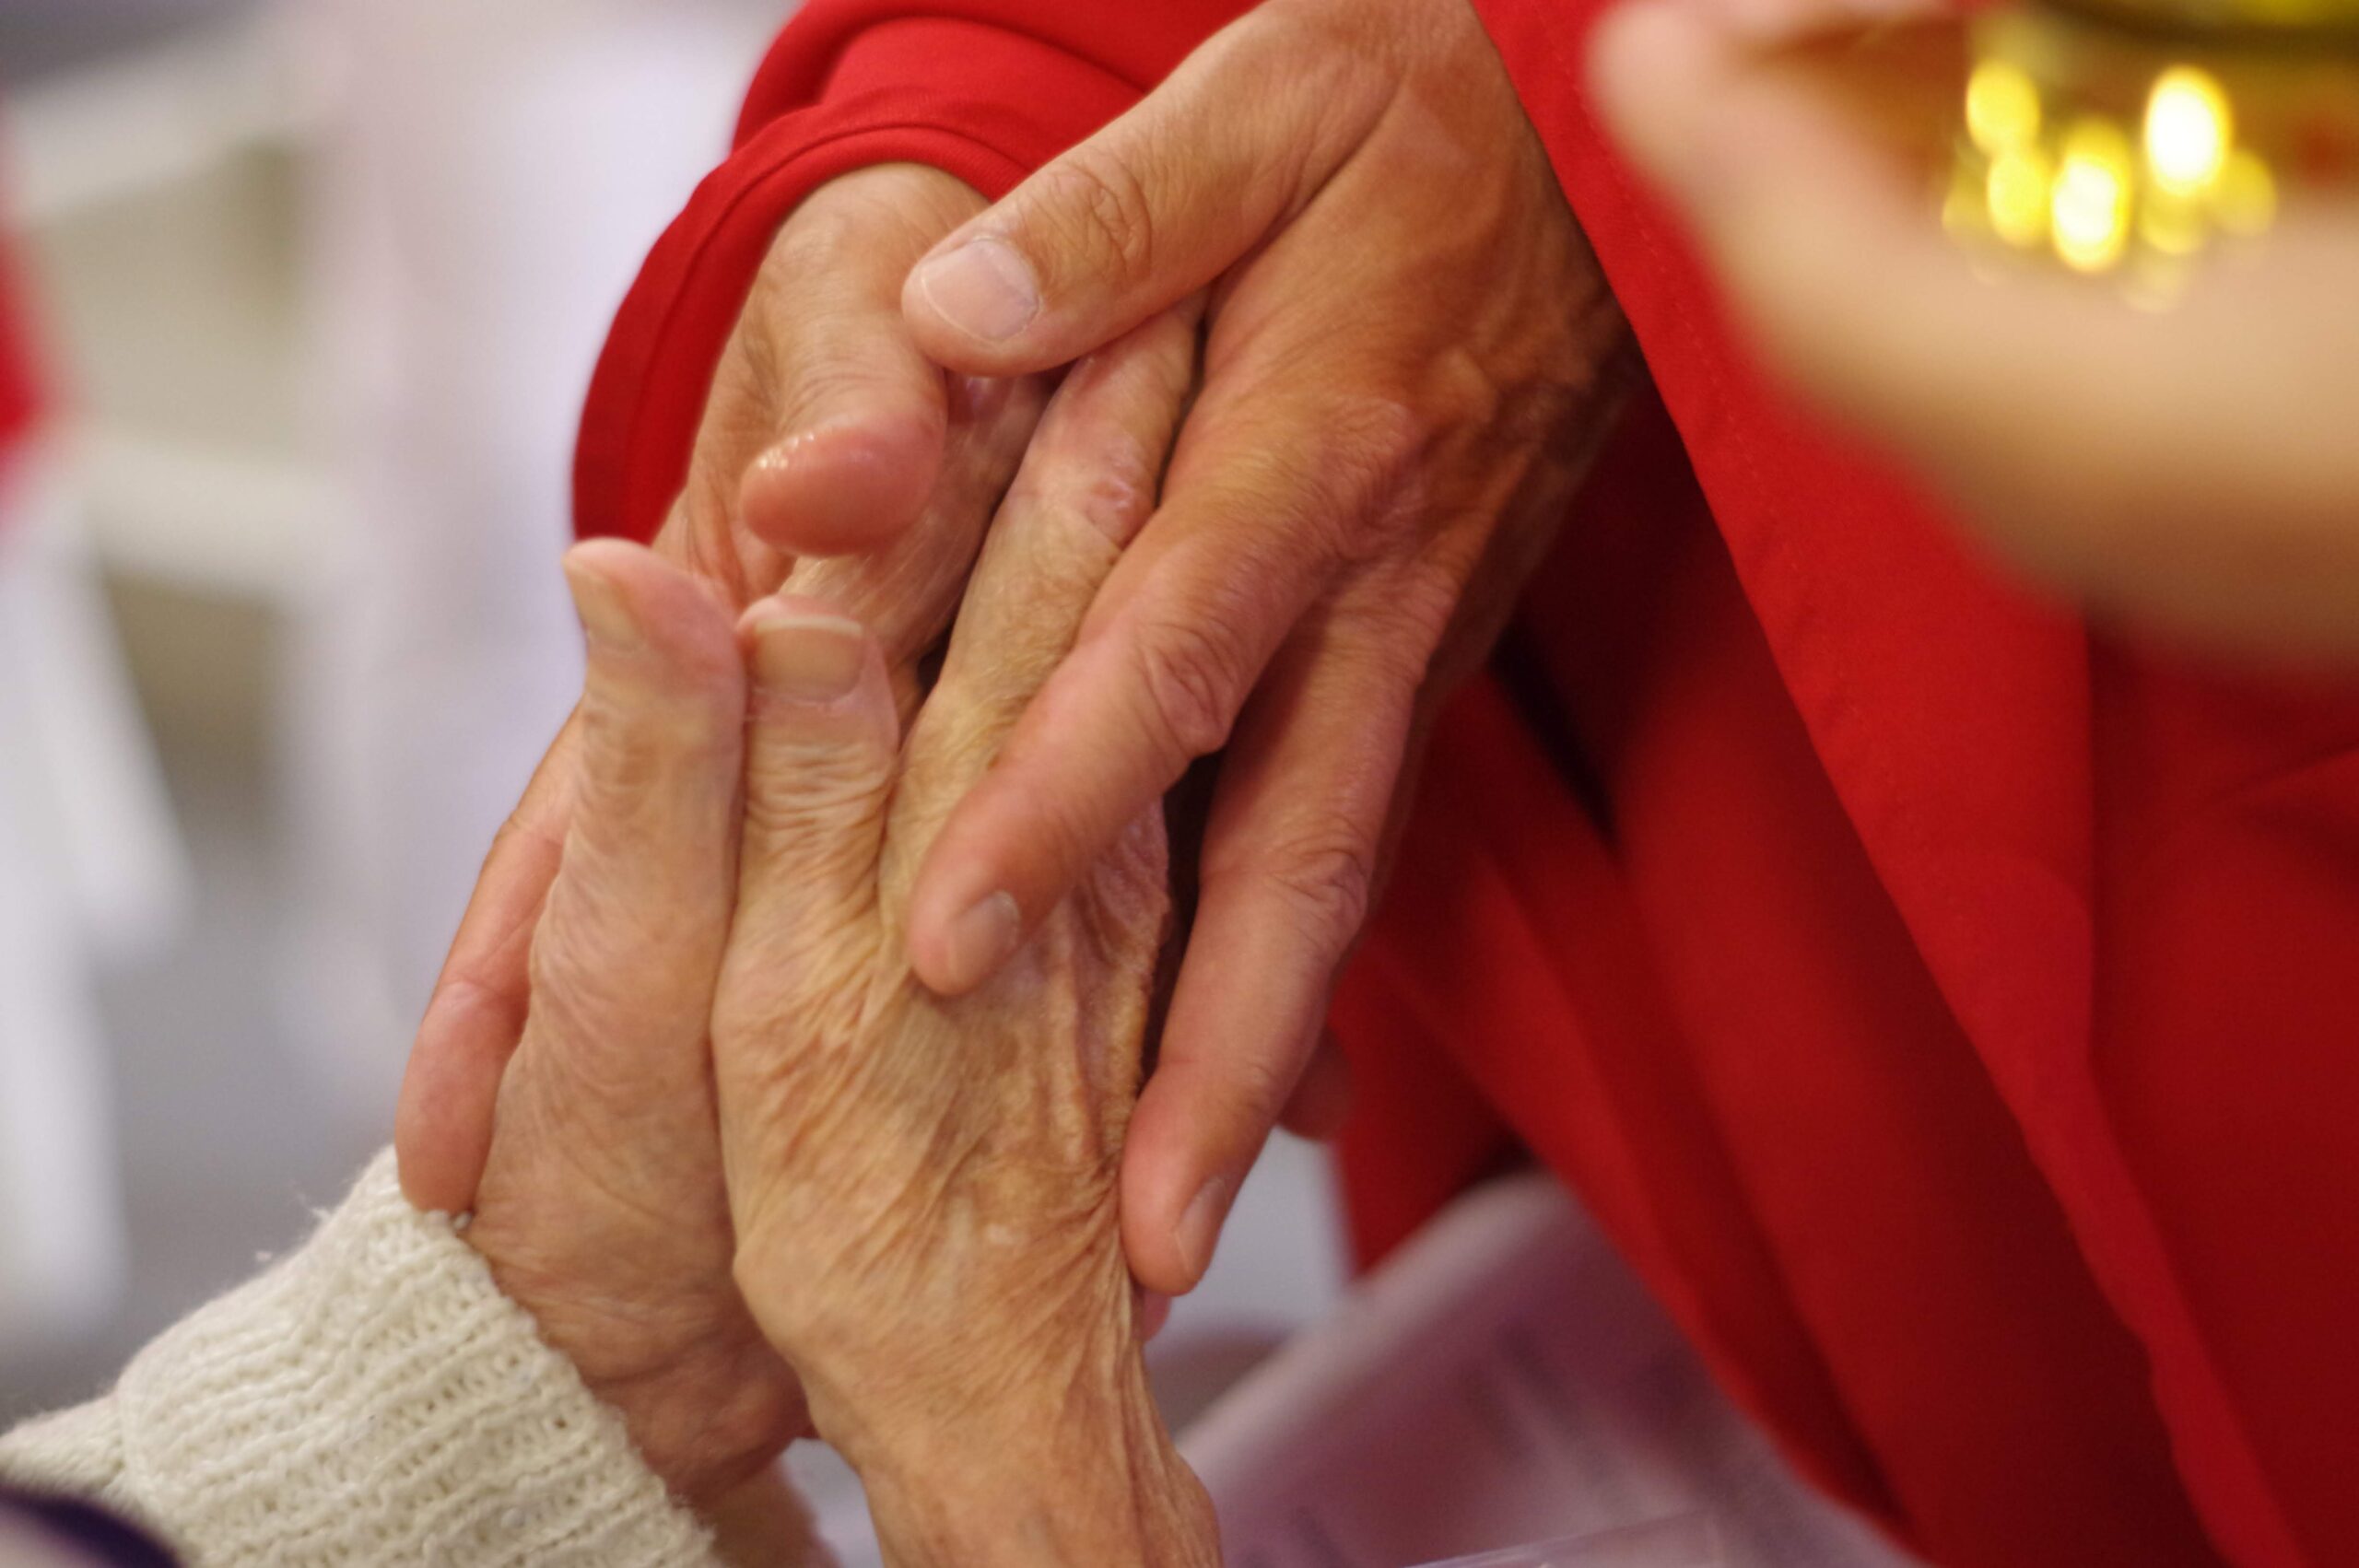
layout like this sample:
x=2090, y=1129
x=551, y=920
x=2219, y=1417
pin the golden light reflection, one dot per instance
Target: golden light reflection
x=2001, y=107
x=2245, y=202
x=2113, y=150
x=2089, y=207
x=2190, y=131
x=2171, y=224
x=2017, y=194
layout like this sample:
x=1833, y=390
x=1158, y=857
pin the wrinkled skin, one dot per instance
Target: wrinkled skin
x=2190, y=470
x=560, y=1084
x=920, y=1209
x=1410, y=356
x=600, y=1209
x=924, y=1188
x=932, y=454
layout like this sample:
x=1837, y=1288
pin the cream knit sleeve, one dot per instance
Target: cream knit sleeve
x=371, y=1399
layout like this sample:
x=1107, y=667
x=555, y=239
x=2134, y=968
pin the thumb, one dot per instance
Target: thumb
x=1154, y=206
x=827, y=420
x=821, y=752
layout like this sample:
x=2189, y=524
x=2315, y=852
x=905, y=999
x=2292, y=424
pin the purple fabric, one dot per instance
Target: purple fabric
x=97, y=1537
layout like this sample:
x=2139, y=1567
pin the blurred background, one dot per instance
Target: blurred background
x=311, y=289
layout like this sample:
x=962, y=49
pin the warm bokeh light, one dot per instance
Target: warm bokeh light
x=2171, y=224
x=2245, y=201
x=2089, y=208
x=2190, y=131
x=2131, y=151
x=2001, y=107
x=2016, y=194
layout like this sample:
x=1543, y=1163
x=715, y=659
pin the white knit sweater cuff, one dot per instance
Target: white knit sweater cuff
x=374, y=1398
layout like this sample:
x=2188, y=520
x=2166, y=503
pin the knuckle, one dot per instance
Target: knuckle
x=1098, y=206
x=1192, y=674
x=621, y=761
x=637, y=759
x=1113, y=500
x=1375, y=468
x=1259, y=1082
x=1324, y=871
x=575, y=999
x=1347, y=488
x=808, y=801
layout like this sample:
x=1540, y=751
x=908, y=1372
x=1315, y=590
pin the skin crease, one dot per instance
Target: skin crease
x=925, y=1187
x=696, y=990
x=1380, y=523
x=822, y=321
x=1410, y=358
x=2190, y=471
x=600, y=1209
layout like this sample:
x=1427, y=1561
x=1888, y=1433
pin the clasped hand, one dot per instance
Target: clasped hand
x=748, y=1173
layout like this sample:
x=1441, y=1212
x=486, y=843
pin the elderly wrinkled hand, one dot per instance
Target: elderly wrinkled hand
x=600, y=1208
x=925, y=1187
x=737, y=1136
x=826, y=427
x=560, y=1088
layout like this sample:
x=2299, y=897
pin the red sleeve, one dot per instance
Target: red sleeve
x=984, y=89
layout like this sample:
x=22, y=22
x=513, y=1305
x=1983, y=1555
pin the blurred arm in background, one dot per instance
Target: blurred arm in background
x=2190, y=470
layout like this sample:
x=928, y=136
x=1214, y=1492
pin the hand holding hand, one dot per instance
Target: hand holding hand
x=825, y=429
x=925, y=1187
x=601, y=1208
x=1405, y=368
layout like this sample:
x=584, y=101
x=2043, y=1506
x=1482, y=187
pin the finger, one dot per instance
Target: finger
x=443, y=1121
x=1146, y=212
x=626, y=955
x=820, y=757
x=905, y=592
x=1263, y=490
x=826, y=427
x=1288, y=868
x=856, y=417
x=1323, y=1099
x=1151, y=1310
x=1085, y=489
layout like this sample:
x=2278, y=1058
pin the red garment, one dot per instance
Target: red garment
x=1941, y=1005
x=19, y=400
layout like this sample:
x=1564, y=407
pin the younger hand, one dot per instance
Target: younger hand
x=1406, y=368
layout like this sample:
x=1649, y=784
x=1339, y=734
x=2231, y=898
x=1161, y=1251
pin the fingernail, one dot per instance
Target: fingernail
x=812, y=659
x=1199, y=1226
x=985, y=288
x=605, y=615
x=983, y=937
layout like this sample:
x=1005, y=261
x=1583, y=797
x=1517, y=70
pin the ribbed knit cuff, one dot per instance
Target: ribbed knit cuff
x=373, y=1398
